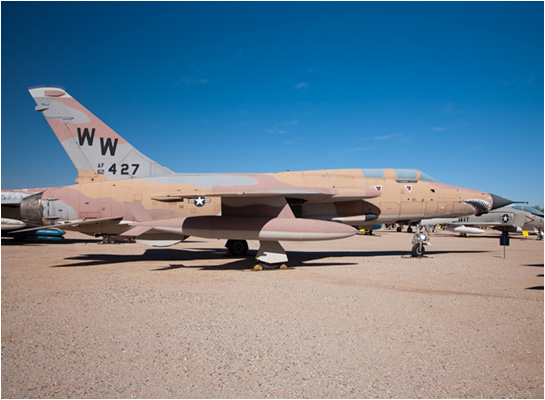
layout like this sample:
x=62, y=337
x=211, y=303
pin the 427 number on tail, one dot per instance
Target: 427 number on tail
x=125, y=169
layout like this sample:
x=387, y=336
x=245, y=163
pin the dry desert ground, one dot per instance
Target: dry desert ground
x=354, y=318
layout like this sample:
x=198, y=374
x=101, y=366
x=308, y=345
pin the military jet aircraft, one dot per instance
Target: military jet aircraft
x=11, y=202
x=121, y=192
x=508, y=219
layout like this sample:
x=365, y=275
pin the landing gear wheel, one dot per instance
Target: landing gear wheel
x=237, y=248
x=261, y=266
x=417, y=250
x=107, y=240
x=410, y=230
x=398, y=229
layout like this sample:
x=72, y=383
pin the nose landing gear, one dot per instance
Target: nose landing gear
x=420, y=239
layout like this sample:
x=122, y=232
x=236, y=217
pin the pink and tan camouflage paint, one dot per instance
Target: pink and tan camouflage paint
x=121, y=191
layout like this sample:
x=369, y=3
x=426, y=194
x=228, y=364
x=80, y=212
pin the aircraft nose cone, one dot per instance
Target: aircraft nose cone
x=499, y=201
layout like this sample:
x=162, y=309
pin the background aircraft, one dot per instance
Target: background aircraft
x=121, y=192
x=512, y=218
x=11, y=202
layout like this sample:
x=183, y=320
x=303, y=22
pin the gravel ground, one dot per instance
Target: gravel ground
x=356, y=318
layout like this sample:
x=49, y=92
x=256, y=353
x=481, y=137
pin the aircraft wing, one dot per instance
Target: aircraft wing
x=487, y=224
x=77, y=224
x=460, y=223
x=322, y=196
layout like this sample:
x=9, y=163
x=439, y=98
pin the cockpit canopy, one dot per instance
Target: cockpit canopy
x=529, y=209
x=402, y=174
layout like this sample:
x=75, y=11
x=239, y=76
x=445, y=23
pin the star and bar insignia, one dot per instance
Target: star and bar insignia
x=200, y=201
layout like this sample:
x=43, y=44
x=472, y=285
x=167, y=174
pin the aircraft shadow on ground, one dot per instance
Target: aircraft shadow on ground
x=296, y=258
x=539, y=276
x=9, y=241
x=36, y=242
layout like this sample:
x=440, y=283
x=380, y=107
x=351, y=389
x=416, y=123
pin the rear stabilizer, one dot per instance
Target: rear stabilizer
x=96, y=150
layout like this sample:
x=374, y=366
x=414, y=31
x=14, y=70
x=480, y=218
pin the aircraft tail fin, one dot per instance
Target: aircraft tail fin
x=96, y=150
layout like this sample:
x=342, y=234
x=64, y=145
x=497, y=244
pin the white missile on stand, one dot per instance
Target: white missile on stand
x=464, y=229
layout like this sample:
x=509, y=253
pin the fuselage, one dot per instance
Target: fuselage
x=402, y=195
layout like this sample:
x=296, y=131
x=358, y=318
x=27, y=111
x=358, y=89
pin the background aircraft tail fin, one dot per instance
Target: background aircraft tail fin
x=96, y=150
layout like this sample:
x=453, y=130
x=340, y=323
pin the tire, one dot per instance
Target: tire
x=237, y=248
x=417, y=250
x=266, y=266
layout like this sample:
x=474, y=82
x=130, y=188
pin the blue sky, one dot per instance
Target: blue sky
x=453, y=89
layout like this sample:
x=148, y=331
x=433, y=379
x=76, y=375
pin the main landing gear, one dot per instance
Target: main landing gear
x=400, y=228
x=237, y=248
x=271, y=254
x=262, y=266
